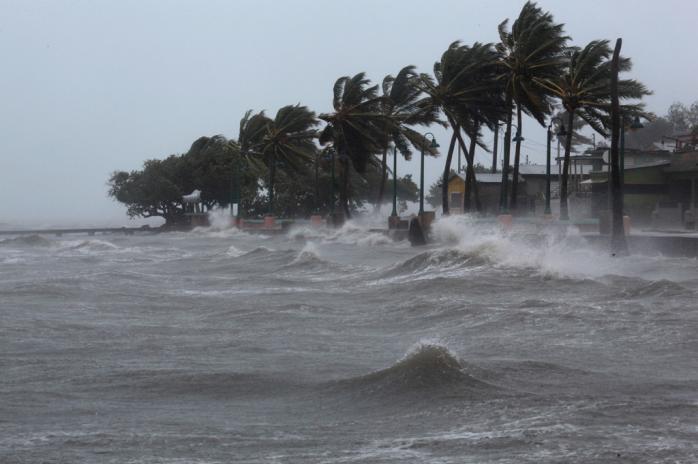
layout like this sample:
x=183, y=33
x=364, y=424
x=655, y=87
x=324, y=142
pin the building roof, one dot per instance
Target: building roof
x=684, y=162
x=537, y=170
x=486, y=177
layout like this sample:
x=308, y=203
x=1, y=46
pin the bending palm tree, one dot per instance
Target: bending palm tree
x=584, y=90
x=531, y=51
x=289, y=141
x=465, y=88
x=405, y=105
x=357, y=128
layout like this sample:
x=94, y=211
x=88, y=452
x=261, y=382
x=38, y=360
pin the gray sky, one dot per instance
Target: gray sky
x=89, y=87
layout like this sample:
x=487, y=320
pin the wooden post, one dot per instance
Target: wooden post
x=619, y=245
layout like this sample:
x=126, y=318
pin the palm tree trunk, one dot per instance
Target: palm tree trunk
x=494, y=148
x=517, y=160
x=384, y=176
x=618, y=243
x=447, y=173
x=564, y=209
x=272, y=175
x=469, y=178
x=467, y=183
x=470, y=169
x=344, y=191
x=476, y=191
x=504, y=195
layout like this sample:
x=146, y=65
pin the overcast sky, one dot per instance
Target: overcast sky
x=89, y=87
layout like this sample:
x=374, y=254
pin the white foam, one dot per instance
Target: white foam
x=558, y=253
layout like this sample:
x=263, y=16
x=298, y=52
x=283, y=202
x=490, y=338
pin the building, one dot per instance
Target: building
x=489, y=189
x=660, y=194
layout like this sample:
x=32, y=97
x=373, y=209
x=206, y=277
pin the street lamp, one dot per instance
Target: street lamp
x=561, y=132
x=394, y=212
x=433, y=144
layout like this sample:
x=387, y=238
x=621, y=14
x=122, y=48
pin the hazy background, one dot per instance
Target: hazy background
x=89, y=87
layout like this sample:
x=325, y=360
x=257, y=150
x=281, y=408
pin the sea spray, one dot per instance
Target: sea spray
x=548, y=251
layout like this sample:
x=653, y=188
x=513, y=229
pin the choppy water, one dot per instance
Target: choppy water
x=343, y=347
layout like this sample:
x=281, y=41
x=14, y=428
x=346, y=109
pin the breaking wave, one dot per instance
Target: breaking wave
x=351, y=233
x=551, y=252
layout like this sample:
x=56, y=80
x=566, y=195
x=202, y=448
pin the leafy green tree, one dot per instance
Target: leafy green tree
x=583, y=87
x=356, y=128
x=154, y=191
x=530, y=52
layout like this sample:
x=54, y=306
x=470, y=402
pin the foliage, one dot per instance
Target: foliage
x=583, y=87
x=357, y=129
x=683, y=119
x=530, y=52
x=406, y=106
x=465, y=88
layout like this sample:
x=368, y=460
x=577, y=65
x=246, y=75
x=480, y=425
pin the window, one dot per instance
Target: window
x=457, y=199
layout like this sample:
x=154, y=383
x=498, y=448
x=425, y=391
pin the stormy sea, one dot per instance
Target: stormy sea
x=343, y=346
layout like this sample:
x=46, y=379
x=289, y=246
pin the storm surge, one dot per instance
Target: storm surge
x=341, y=345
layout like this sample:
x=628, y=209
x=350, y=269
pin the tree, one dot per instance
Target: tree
x=154, y=191
x=406, y=106
x=530, y=52
x=289, y=142
x=583, y=87
x=357, y=128
x=683, y=119
x=465, y=89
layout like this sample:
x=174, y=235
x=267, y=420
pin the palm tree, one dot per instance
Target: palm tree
x=406, y=106
x=253, y=128
x=289, y=141
x=583, y=87
x=465, y=89
x=530, y=51
x=357, y=128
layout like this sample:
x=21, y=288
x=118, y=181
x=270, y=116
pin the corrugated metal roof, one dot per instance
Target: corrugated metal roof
x=486, y=177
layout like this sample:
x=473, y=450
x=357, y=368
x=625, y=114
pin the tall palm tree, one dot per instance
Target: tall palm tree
x=583, y=87
x=289, y=140
x=530, y=51
x=406, y=106
x=357, y=128
x=465, y=89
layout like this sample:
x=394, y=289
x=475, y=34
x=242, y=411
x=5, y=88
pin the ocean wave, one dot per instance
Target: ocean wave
x=26, y=241
x=350, y=233
x=87, y=246
x=427, y=367
x=175, y=382
x=658, y=288
x=434, y=264
x=553, y=252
